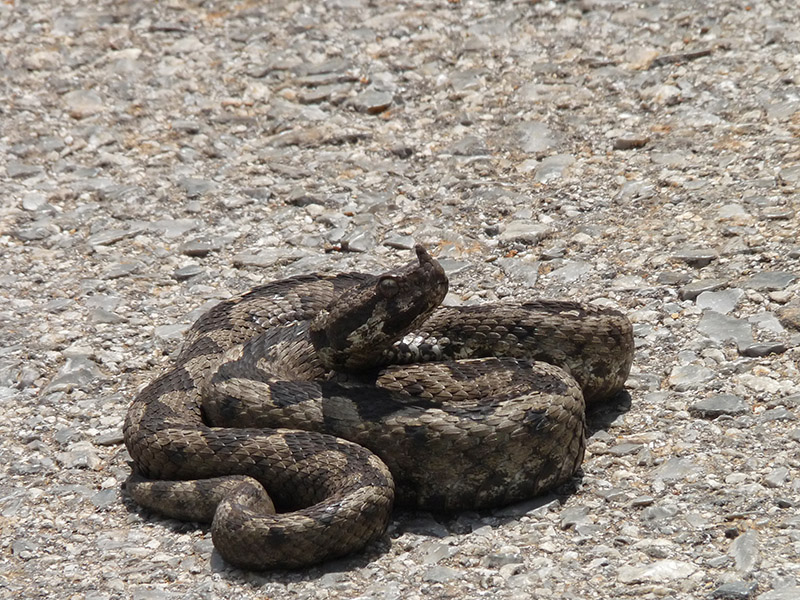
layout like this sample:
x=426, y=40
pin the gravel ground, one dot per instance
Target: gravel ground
x=161, y=156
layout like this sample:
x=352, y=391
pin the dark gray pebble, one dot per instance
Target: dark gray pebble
x=757, y=350
x=694, y=289
x=735, y=590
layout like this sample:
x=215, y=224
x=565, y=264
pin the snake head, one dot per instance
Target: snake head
x=355, y=329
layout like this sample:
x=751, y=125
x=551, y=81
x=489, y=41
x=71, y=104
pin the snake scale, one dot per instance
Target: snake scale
x=297, y=413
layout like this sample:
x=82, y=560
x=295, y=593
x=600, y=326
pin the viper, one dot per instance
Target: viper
x=297, y=413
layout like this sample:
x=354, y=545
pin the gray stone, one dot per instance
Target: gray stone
x=100, y=315
x=82, y=103
x=675, y=469
x=78, y=371
x=440, y=574
x=553, y=167
x=694, y=289
x=778, y=414
x=402, y=242
x=777, y=477
x=525, y=232
x=722, y=328
x=531, y=137
x=735, y=590
x=787, y=593
x=188, y=272
x=718, y=405
x=195, y=187
x=629, y=142
x=200, y=246
x=696, y=257
x=105, y=498
x=745, y=551
x=657, y=572
x=689, y=377
x=758, y=350
x=171, y=332
x=721, y=302
x=469, y=145
x=522, y=270
x=372, y=102
x=770, y=280
x=17, y=169
x=186, y=126
x=659, y=512
x=574, y=515
x=572, y=270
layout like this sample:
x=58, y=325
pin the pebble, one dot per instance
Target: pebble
x=83, y=103
x=657, y=572
x=372, y=102
x=690, y=377
x=525, y=232
x=769, y=280
x=735, y=590
x=745, y=551
x=718, y=405
x=695, y=288
x=721, y=302
x=696, y=257
x=721, y=328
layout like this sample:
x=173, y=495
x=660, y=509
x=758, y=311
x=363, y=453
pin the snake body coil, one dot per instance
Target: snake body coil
x=296, y=412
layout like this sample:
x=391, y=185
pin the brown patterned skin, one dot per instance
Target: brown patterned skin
x=302, y=391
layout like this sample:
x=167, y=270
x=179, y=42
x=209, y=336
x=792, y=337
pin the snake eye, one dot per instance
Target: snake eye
x=388, y=286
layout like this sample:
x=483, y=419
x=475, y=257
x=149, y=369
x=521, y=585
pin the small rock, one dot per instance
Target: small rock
x=787, y=593
x=525, y=232
x=735, y=590
x=188, y=272
x=722, y=302
x=675, y=469
x=553, y=167
x=82, y=103
x=694, y=289
x=696, y=257
x=17, y=169
x=531, y=137
x=789, y=316
x=122, y=270
x=777, y=477
x=572, y=270
x=769, y=280
x=629, y=142
x=745, y=551
x=195, y=187
x=440, y=574
x=689, y=377
x=200, y=247
x=469, y=145
x=372, y=102
x=574, y=515
x=659, y=571
x=721, y=328
x=758, y=350
x=777, y=414
x=718, y=405
x=171, y=332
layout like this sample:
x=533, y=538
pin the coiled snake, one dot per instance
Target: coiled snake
x=324, y=396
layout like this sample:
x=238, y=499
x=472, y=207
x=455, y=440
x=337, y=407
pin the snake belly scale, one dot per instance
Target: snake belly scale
x=297, y=413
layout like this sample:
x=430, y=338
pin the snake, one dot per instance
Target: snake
x=299, y=413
